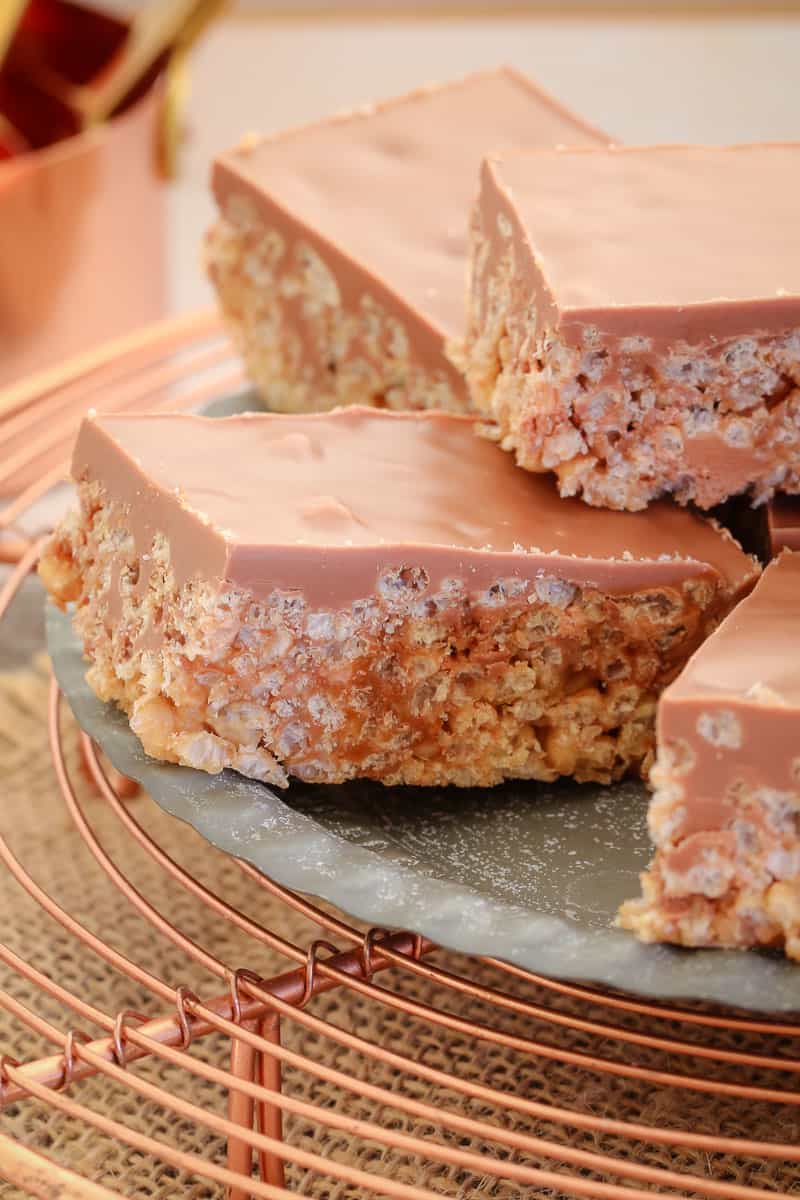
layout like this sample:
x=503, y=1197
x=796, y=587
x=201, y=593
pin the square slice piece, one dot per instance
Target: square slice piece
x=635, y=319
x=725, y=817
x=340, y=253
x=364, y=593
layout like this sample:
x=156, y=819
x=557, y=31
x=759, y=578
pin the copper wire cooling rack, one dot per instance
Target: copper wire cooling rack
x=486, y=1134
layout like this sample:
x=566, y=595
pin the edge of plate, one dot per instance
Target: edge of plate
x=298, y=853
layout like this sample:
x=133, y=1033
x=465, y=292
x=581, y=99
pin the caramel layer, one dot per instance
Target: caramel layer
x=685, y=243
x=327, y=503
x=383, y=194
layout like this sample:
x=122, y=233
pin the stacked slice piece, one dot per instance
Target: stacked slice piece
x=635, y=319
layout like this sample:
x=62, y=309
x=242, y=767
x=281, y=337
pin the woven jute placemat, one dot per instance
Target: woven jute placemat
x=43, y=836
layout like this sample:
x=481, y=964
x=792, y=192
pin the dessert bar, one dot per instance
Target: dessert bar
x=726, y=811
x=634, y=319
x=374, y=594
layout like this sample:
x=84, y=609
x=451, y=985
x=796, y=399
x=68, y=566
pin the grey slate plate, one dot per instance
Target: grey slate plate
x=529, y=873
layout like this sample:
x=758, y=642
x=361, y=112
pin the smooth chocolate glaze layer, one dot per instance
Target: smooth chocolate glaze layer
x=324, y=503
x=746, y=679
x=384, y=193
x=677, y=242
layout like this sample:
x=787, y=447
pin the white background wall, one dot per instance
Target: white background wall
x=642, y=77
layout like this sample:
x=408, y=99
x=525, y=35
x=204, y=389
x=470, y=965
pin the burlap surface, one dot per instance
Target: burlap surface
x=41, y=833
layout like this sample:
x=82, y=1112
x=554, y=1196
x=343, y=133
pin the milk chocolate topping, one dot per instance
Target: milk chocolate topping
x=384, y=193
x=324, y=503
x=684, y=242
x=737, y=702
x=758, y=644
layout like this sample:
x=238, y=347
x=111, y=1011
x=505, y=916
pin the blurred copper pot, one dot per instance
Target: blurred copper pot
x=82, y=240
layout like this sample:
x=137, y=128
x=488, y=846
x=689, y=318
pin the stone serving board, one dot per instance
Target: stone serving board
x=530, y=873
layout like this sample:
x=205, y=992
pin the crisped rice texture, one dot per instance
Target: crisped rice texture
x=304, y=347
x=404, y=686
x=734, y=884
x=623, y=421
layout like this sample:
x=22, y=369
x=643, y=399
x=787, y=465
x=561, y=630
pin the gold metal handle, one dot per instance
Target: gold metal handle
x=157, y=27
x=163, y=23
x=10, y=16
x=177, y=84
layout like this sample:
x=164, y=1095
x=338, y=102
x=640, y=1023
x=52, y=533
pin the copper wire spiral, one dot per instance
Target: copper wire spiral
x=183, y=364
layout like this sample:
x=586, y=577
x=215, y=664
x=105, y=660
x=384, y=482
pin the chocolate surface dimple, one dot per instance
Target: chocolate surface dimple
x=327, y=515
x=664, y=241
x=297, y=446
x=373, y=490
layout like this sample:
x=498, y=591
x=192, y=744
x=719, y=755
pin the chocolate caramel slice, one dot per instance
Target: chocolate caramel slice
x=635, y=319
x=374, y=594
x=340, y=253
x=726, y=810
